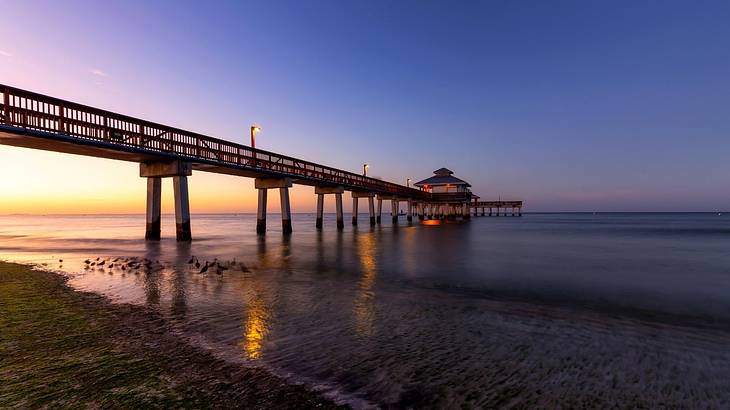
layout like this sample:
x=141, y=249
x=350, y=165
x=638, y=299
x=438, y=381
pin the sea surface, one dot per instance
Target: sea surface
x=538, y=310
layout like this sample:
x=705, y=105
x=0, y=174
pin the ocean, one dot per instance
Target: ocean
x=538, y=310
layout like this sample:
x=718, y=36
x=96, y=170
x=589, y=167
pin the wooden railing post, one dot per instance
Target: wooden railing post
x=61, y=124
x=6, y=103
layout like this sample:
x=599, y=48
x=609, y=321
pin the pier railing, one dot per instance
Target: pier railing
x=33, y=111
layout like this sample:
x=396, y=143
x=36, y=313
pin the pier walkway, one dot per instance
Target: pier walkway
x=38, y=121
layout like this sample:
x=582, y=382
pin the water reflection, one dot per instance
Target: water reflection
x=255, y=326
x=366, y=248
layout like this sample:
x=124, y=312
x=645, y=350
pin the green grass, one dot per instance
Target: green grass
x=62, y=349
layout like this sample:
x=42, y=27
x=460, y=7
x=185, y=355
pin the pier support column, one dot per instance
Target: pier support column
x=338, y=209
x=465, y=211
x=371, y=209
x=154, y=208
x=419, y=208
x=519, y=211
x=182, y=208
x=354, y=210
x=285, y=210
x=409, y=215
x=356, y=195
x=380, y=211
x=321, y=191
x=394, y=210
x=320, y=210
x=154, y=172
x=261, y=211
x=483, y=212
x=263, y=185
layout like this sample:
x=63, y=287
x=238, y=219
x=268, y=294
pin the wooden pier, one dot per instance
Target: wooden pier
x=33, y=120
x=514, y=206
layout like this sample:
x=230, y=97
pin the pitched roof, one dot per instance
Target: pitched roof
x=443, y=171
x=442, y=180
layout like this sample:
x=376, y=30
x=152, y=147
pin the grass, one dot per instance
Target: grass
x=63, y=349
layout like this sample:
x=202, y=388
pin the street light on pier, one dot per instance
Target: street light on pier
x=365, y=170
x=254, y=130
x=408, y=182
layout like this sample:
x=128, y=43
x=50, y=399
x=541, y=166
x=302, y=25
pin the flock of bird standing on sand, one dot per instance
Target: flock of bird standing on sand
x=136, y=265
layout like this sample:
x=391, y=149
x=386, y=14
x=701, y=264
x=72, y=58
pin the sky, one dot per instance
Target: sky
x=567, y=105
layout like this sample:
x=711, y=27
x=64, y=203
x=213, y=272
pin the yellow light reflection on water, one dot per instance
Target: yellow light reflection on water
x=255, y=328
x=363, y=304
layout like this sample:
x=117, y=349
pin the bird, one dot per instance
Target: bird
x=87, y=261
x=93, y=263
x=197, y=263
x=205, y=268
x=111, y=266
x=60, y=260
x=102, y=263
x=192, y=259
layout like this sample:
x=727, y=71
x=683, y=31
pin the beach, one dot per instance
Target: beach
x=67, y=349
x=553, y=310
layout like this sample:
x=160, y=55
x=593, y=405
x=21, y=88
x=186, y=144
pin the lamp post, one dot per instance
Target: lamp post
x=254, y=130
x=408, y=182
x=365, y=170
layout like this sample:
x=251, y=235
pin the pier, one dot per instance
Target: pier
x=514, y=207
x=38, y=121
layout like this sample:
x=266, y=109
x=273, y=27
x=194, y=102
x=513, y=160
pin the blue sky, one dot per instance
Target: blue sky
x=569, y=105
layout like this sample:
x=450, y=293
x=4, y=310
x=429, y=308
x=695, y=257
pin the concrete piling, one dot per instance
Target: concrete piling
x=394, y=210
x=154, y=172
x=371, y=209
x=261, y=211
x=340, y=217
x=285, y=210
x=380, y=211
x=354, y=210
x=320, y=210
x=154, y=208
x=182, y=208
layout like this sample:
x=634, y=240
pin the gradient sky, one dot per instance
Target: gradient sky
x=568, y=105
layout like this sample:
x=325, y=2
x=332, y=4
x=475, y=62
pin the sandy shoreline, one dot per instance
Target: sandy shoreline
x=35, y=306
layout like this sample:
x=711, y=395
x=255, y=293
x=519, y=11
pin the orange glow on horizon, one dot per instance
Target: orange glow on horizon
x=43, y=182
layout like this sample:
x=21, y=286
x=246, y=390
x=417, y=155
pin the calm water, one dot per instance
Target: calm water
x=485, y=312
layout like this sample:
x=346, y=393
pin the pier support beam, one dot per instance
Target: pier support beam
x=154, y=208
x=285, y=210
x=263, y=185
x=394, y=210
x=465, y=211
x=354, y=210
x=154, y=172
x=356, y=195
x=261, y=211
x=419, y=208
x=380, y=210
x=321, y=191
x=371, y=209
x=320, y=210
x=409, y=215
x=182, y=208
x=338, y=209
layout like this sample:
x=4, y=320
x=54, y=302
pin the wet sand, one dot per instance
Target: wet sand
x=63, y=348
